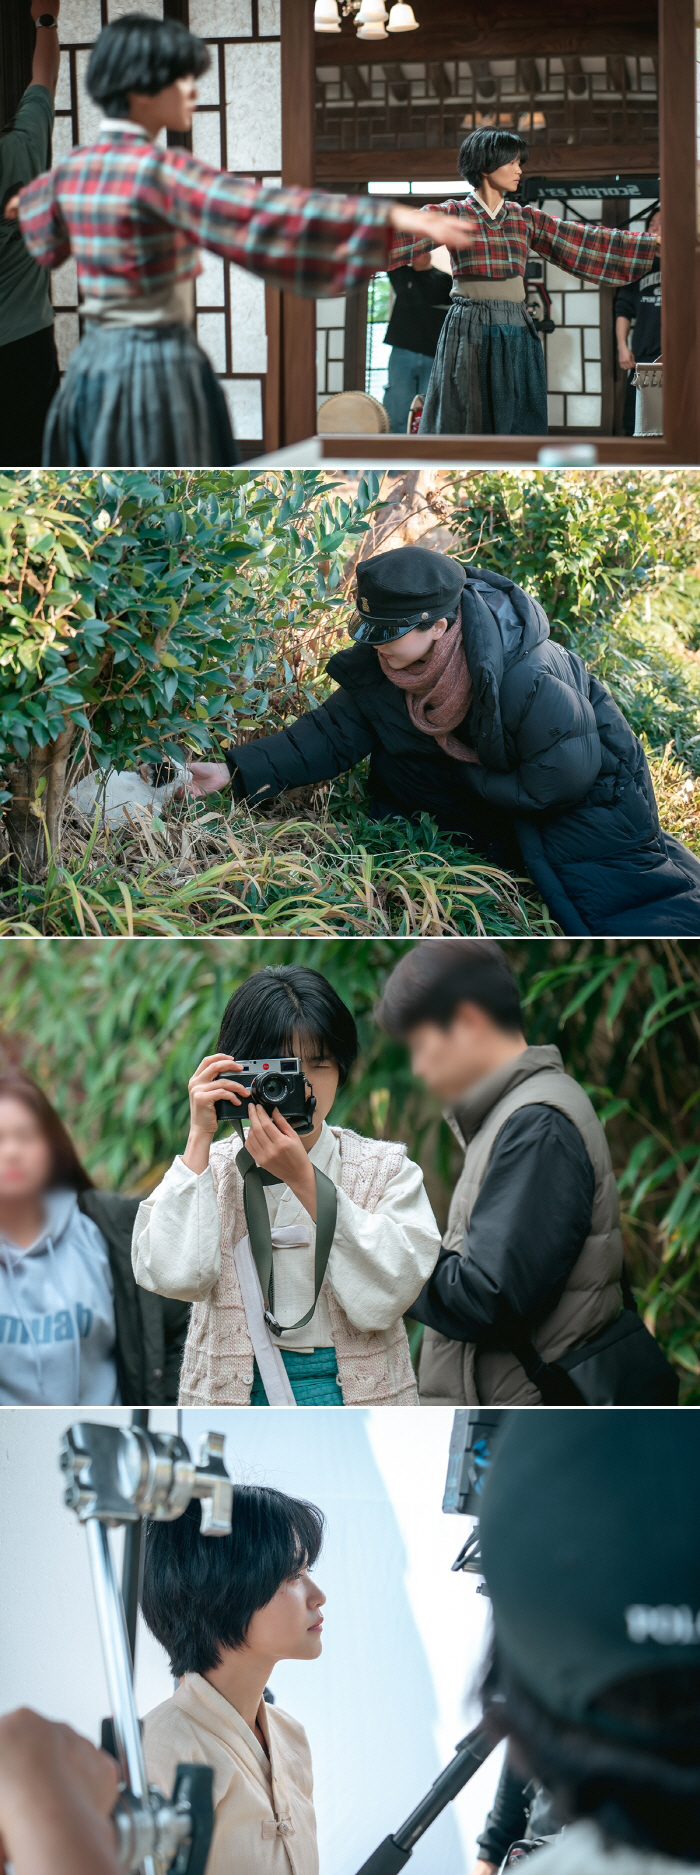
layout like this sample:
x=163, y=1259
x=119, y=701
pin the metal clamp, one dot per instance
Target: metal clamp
x=119, y=1474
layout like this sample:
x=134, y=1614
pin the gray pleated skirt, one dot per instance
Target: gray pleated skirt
x=488, y=376
x=139, y=397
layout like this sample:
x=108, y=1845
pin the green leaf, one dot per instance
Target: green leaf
x=619, y=990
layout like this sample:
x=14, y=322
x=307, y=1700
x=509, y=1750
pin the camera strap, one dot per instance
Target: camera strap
x=255, y=1178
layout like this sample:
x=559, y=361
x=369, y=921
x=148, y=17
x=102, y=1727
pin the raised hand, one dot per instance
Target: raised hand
x=275, y=1146
x=204, y=1090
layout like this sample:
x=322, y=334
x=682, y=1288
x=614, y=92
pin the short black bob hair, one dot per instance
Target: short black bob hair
x=281, y=1002
x=137, y=53
x=634, y=1770
x=432, y=980
x=486, y=150
x=200, y=1592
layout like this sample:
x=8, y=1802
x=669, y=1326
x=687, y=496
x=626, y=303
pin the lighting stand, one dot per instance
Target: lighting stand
x=117, y=1476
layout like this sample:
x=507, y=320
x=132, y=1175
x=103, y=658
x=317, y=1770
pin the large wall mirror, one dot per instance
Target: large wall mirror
x=606, y=96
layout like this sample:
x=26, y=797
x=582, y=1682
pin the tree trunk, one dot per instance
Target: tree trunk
x=25, y=825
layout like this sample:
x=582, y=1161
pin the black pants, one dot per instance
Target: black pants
x=408, y=786
x=30, y=379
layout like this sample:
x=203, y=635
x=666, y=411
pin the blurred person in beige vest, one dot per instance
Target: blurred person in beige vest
x=226, y=1613
x=531, y=1266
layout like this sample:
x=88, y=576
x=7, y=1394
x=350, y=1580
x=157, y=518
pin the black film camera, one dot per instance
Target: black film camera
x=278, y=1082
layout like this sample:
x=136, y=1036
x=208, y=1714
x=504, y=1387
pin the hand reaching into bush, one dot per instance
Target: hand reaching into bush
x=203, y=778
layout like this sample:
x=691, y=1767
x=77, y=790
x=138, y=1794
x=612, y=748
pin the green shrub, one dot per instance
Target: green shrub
x=139, y=614
x=161, y=613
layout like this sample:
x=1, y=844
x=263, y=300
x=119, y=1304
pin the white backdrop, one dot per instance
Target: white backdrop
x=403, y=1636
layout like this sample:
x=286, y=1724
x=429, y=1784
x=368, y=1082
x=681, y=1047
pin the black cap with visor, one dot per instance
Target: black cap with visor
x=402, y=591
x=590, y=1540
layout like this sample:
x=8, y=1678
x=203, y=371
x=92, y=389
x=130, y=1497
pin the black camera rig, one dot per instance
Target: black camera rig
x=277, y=1082
x=474, y=1433
x=118, y=1476
x=396, y=1850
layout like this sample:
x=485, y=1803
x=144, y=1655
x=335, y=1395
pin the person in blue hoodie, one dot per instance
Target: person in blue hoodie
x=75, y=1330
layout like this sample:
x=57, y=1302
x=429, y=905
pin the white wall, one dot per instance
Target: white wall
x=49, y=1640
x=385, y=1705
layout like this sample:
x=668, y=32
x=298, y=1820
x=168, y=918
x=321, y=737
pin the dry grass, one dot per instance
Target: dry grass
x=315, y=866
x=297, y=872
x=678, y=797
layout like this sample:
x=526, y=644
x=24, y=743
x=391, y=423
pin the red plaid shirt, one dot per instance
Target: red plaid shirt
x=607, y=255
x=134, y=216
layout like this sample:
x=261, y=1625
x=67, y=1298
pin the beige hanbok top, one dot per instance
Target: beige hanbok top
x=264, y=1814
x=378, y=1263
x=385, y=1246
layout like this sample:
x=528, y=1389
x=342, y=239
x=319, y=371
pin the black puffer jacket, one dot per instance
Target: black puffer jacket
x=555, y=754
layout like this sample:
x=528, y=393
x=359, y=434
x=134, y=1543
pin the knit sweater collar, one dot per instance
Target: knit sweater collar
x=468, y=1113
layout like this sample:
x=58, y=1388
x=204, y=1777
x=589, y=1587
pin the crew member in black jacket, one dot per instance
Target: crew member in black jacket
x=531, y=1270
x=520, y=1809
x=421, y=305
x=471, y=713
x=519, y=1221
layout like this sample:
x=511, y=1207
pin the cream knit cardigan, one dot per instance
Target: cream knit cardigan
x=374, y=1369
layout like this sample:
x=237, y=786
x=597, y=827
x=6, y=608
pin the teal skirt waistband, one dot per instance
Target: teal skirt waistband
x=313, y=1379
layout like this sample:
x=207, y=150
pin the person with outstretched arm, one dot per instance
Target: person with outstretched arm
x=489, y=375
x=139, y=390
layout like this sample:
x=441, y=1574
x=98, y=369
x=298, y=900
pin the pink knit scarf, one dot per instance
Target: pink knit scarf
x=439, y=691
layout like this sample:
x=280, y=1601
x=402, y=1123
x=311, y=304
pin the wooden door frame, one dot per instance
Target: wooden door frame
x=677, y=152
x=290, y=403
x=681, y=262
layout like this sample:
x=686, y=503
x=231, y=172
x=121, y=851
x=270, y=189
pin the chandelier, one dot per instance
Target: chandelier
x=370, y=17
